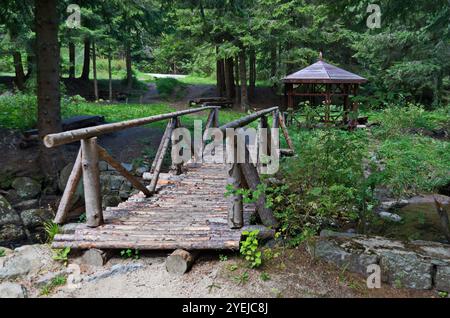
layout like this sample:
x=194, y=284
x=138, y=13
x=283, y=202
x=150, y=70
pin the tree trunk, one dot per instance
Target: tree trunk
x=71, y=60
x=30, y=65
x=87, y=60
x=48, y=92
x=110, y=78
x=252, y=75
x=129, y=67
x=273, y=60
x=237, y=79
x=243, y=78
x=229, y=78
x=221, y=86
x=94, y=67
x=19, y=80
x=180, y=261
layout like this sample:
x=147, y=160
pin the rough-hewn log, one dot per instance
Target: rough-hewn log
x=91, y=182
x=216, y=118
x=443, y=217
x=119, y=168
x=95, y=257
x=236, y=206
x=177, y=169
x=180, y=261
x=285, y=132
x=250, y=174
x=71, y=187
x=159, y=159
x=209, y=124
x=247, y=119
x=54, y=140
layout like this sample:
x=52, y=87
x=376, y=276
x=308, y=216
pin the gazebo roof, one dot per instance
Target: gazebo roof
x=324, y=73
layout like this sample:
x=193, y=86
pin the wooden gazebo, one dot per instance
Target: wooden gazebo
x=323, y=83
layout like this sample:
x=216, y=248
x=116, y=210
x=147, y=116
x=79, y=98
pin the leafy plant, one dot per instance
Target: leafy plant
x=232, y=267
x=129, y=253
x=61, y=255
x=82, y=218
x=223, y=258
x=59, y=280
x=2, y=252
x=51, y=229
x=249, y=248
x=264, y=276
x=242, y=279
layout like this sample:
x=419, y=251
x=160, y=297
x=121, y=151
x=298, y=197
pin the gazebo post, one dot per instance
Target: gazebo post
x=346, y=99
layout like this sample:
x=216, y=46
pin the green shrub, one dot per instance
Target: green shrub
x=168, y=86
x=18, y=111
x=249, y=249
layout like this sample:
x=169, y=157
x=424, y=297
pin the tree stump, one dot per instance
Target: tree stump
x=180, y=261
x=95, y=257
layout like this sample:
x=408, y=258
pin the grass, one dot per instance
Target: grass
x=57, y=281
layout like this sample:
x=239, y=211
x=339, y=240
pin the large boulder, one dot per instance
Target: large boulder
x=35, y=217
x=64, y=175
x=443, y=278
x=11, y=228
x=27, y=260
x=26, y=188
x=12, y=290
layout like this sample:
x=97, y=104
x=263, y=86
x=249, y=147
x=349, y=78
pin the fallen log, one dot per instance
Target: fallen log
x=180, y=261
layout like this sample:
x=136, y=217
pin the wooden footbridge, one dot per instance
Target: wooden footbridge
x=184, y=209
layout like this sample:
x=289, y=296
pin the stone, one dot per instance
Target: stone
x=64, y=175
x=125, y=190
x=394, y=204
x=329, y=233
x=350, y=256
x=405, y=269
x=390, y=216
x=442, y=279
x=118, y=269
x=111, y=200
x=103, y=166
x=11, y=228
x=27, y=205
x=36, y=217
x=115, y=182
x=141, y=170
x=12, y=290
x=26, y=188
x=26, y=260
x=47, y=278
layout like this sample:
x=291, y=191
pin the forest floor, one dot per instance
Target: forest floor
x=292, y=274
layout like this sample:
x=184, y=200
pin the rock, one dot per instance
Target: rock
x=27, y=205
x=125, y=190
x=389, y=205
x=442, y=279
x=329, y=233
x=127, y=166
x=12, y=290
x=111, y=200
x=390, y=216
x=102, y=165
x=118, y=269
x=26, y=188
x=12, y=197
x=115, y=182
x=350, y=256
x=35, y=217
x=26, y=260
x=64, y=177
x=406, y=269
x=11, y=228
x=48, y=277
x=95, y=257
x=141, y=170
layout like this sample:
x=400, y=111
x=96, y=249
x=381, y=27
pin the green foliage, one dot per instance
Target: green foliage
x=264, y=276
x=61, y=255
x=2, y=252
x=223, y=258
x=167, y=87
x=18, y=111
x=51, y=229
x=59, y=280
x=242, y=279
x=249, y=248
x=129, y=253
x=82, y=218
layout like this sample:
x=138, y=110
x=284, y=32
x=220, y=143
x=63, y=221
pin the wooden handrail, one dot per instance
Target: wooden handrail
x=54, y=140
x=241, y=122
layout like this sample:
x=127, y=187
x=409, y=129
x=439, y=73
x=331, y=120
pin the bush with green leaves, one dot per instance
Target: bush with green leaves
x=168, y=86
x=250, y=248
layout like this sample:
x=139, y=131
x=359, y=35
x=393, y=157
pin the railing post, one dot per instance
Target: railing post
x=91, y=182
x=236, y=205
x=216, y=118
x=177, y=168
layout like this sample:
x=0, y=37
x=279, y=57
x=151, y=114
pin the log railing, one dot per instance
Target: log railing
x=245, y=175
x=87, y=161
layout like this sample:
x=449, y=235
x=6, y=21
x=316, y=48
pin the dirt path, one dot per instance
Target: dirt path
x=292, y=274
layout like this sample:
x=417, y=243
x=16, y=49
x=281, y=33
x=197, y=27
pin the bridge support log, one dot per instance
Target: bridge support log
x=69, y=191
x=236, y=208
x=91, y=182
x=180, y=261
x=119, y=168
x=250, y=174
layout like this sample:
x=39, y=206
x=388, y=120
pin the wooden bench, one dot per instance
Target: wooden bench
x=211, y=101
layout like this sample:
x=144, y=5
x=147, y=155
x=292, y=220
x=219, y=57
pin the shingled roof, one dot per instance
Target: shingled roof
x=322, y=72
